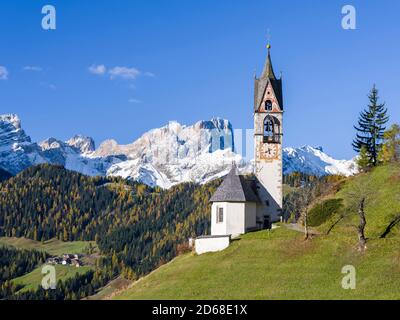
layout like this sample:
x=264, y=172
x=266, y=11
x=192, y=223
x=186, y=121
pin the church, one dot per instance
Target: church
x=243, y=204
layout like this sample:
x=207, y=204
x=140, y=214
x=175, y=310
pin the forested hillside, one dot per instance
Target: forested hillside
x=14, y=263
x=141, y=225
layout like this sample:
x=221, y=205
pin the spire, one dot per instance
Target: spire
x=268, y=71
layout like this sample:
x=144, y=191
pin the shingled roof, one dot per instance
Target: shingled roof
x=260, y=85
x=235, y=188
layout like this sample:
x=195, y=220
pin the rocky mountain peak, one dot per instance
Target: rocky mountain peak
x=11, y=119
x=50, y=143
x=83, y=143
x=164, y=157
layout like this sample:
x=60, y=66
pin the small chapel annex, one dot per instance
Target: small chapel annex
x=237, y=196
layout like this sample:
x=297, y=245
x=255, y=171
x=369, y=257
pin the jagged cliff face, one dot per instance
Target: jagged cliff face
x=161, y=157
x=174, y=141
x=176, y=153
x=17, y=152
x=83, y=144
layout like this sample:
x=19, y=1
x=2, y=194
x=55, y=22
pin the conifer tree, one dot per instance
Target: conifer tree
x=391, y=148
x=363, y=160
x=371, y=128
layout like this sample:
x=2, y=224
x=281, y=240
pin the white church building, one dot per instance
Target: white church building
x=243, y=204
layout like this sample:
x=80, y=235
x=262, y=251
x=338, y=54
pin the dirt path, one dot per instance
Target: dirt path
x=299, y=228
x=293, y=226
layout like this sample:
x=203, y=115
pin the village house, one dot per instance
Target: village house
x=65, y=259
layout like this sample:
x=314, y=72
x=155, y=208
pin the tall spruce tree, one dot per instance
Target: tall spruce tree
x=371, y=128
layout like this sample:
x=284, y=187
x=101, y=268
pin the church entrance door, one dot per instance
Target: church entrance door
x=267, y=223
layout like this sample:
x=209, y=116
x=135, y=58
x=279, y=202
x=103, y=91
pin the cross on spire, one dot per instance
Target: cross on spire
x=268, y=39
x=268, y=71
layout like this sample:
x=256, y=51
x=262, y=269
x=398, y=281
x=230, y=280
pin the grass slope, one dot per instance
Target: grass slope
x=55, y=247
x=383, y=205
x=280, y=265
x=32, y=280
x=108, y=291
x=52, y=247
x=276, y=265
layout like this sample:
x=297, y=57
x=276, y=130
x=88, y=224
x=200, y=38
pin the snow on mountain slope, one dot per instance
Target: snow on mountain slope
x=17, y=152
x=314, y=161
x=161, y=157
x=82, y=143
x=176, y=153
x=201, y=169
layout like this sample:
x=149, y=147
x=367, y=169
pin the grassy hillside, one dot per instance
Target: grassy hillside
x=382, y=186
x=107, y=291
x=280, y=265
x=276, y=265
x=53, y=247
x=32, y=280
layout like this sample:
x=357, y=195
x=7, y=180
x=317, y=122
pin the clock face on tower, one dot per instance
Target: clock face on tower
x=269, y=151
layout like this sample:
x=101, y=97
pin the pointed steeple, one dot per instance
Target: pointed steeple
x=268, y=71
x=267, y=76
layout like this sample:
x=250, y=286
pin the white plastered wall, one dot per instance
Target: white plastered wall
x=203, y=245
x=218, y=228
x=238, y=217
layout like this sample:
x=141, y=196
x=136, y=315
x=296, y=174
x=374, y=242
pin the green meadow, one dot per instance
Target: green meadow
x=53, y=246
x=280, y=264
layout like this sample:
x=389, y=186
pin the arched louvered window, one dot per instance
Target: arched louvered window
x=272, y=130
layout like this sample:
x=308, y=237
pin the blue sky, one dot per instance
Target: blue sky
x=189, y=60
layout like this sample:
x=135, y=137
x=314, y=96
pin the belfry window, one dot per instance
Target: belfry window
x=272, y=130
x=268, y=105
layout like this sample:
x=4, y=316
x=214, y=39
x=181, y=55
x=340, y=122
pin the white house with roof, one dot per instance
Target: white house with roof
x=233, y=212
x=236, y=196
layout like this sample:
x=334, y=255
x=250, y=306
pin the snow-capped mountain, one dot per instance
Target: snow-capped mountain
x=18, y=152
x=314, y=161
x=164, y=157
x=176, y=153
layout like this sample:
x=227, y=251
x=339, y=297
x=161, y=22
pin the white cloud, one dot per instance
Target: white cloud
x=132, y=100
x=124, y=73
x=98, y=69
x=3, y=73
x=149, y=74
x=33, y=68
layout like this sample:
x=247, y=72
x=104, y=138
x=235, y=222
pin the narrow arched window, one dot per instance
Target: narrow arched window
x=268, y=105
x=268, y=128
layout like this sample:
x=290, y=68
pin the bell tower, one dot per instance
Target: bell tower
x=268, y=131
